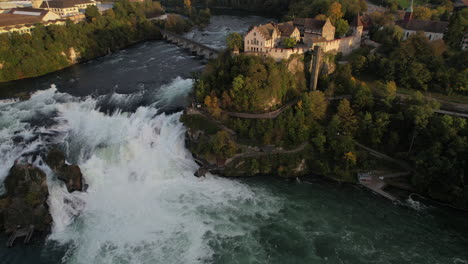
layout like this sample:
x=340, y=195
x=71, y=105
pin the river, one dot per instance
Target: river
x=117, y=117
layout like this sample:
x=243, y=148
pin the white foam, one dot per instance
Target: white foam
x=143, y=204
x=178, y=88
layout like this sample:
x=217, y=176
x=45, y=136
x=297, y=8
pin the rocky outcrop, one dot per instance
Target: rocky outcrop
x=24, y=204
x=70, y=174
x=25, y=201
x=328, y=66
x=74, y=56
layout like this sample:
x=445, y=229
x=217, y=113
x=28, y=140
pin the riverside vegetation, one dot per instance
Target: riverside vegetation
x=434, y=145
x=54, y=47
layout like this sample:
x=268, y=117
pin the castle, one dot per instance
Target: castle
x=267, y=39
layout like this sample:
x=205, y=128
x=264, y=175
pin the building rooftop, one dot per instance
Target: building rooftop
x=267, y=30
x=13, y=20
x=424, y=25
x=28, y=11
x=286, y=29
x=309, y=23
x=64, y=3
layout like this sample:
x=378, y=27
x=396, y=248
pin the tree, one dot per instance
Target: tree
x=289, y=42
x=342, y=27
x=212, y=105
x=346, y=117
x=362, y=97
x=188, y=6
x=92, y=13
x=455, y=31
x=422, y=13
x=235, y=40
x=318, y=105
x=386, y=90
x=223, y=146
x=335, y=12
x=419, y=112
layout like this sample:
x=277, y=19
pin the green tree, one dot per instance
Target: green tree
x=419, y=111
x=456, y=29
x=346, y=117
x=289, y=42
x=422, y=13
x=92, y=13
x=341, y=27
x=223, y=146
x=335, y=12
x=318, y=105
x=235, y=40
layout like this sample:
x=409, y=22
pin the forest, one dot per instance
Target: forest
x=406, y=128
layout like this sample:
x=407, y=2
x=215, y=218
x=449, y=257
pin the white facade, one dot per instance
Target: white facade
x=430, y=35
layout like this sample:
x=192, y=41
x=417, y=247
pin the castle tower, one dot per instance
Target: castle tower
x=357, y=26
x=36, y=3
x=409, y=13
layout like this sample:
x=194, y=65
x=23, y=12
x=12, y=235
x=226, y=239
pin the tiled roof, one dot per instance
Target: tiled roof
x=63, y=3
x=424, y=25
x=13, y=20
x=267, y=30
x=309, y=23
x=286, y=29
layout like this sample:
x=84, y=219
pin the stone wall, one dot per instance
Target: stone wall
x=283, y=54
x=344, y=45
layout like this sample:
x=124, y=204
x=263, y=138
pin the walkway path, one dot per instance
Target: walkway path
x=269, y=115
x=249, y=153
x=194, y=111
x=381, y=155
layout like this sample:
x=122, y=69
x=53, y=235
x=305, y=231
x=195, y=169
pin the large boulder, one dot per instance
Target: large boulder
x=70, y=174
x=25, y=201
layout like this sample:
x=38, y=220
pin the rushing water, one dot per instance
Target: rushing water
x=115, y=118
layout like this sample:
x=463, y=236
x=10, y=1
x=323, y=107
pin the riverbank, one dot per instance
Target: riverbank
x=144, y=205
x=48, y=49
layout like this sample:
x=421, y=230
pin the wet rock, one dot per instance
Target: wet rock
x=25, y=201
x=70, y=174
x=201, y=172
x=55, y=159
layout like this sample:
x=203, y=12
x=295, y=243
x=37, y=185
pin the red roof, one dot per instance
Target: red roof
x=13, y=20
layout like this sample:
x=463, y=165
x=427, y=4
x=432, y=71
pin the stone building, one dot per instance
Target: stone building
x=64, y=8
x=314, y=29
x=266, y=40
x=23, y=20
x=270, y=35
x=433, y=30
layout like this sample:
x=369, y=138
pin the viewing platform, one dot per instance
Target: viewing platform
x=376, y=182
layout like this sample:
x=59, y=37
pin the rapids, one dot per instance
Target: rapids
x=118, y=118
